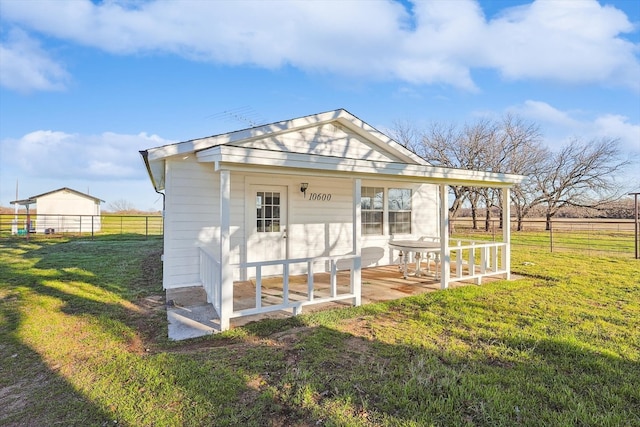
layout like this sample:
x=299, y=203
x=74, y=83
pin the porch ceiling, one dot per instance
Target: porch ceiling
x=268, y=161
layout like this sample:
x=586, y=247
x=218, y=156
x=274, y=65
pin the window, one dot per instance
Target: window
x=372, y=209
x=268, y=211
x=399, y=206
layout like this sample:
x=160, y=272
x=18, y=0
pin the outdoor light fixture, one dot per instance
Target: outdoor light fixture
x=303, y=188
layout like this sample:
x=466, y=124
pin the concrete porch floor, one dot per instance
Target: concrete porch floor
x=190, y=316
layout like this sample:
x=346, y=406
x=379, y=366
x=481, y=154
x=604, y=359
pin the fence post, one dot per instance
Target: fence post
x=551, y=234
x=146, y=227
x=635, y=221
x=92, y=216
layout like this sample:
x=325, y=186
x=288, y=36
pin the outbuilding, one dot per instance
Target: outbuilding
x=325, y=193
x=61, y=211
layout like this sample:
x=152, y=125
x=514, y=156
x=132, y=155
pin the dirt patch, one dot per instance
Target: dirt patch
x=149, y=321
x=150, y=278
x=291, y=336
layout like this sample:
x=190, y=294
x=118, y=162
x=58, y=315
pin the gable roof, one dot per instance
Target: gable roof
x=340, y=117
x=291, y=147
x=33, y=199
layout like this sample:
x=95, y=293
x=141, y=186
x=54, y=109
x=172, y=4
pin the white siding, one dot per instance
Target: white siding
x=321, y=228
x=315, y=227
x=191, y=213
x=325, y=140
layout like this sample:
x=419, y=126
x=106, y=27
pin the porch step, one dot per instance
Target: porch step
x=189, y=315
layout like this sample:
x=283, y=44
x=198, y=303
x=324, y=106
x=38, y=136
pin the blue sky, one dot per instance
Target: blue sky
x=85, y=85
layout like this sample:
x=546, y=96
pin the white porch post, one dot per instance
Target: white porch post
x=445, y=262
x=356, y=274
x=226, y=272
x=506, y=231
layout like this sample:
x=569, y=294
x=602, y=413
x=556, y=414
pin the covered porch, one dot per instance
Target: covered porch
x=454, y=261
x=192, y=313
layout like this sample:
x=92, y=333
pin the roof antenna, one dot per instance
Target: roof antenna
x=244, y=114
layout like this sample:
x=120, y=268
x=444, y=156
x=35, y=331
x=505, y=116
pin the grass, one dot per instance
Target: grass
x=82, y=342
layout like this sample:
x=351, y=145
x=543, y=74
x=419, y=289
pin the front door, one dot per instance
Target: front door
x=267, y=226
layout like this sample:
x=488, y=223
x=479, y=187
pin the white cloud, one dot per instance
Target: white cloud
x=620, y=127
x=561, y=126
x=543, y=112
x=25, y=66
x=567, y=41
x=440, y=42
x=59, y=155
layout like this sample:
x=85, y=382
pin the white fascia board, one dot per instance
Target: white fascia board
x=248, y=158
x=244, y=135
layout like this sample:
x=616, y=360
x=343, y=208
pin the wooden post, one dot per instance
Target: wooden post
x=445, y=256
x=506, y=232
x=356, y=273
x=226, y=272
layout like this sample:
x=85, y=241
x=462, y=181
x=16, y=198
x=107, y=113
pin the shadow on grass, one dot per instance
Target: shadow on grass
x=77, y=279
x=372, y=365
x=31, y=390
x=301, y=374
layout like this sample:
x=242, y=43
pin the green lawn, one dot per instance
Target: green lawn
x=82, y=343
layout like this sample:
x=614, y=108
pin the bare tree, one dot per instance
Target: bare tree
x=508, y=146
x=438, y=146
x=520, y=151
x=121, y=205
x=581, y=174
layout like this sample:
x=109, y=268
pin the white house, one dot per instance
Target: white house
x=63, y=211
x=325, y=192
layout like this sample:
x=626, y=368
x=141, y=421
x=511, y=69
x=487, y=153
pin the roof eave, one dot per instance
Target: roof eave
x=242, y=158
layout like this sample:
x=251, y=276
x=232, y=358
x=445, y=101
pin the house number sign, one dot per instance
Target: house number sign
x=321, y=197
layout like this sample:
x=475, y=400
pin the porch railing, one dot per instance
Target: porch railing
x=469, y=260
x=210, y=278
x=310, y=297
x=475, y=260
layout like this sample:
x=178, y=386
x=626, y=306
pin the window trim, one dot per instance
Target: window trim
x=386, y=222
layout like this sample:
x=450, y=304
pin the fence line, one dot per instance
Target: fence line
x=587, y=236
x=592, y=236
x=51, y=225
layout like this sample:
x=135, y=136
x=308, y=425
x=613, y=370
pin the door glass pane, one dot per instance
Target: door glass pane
x=268, y=212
